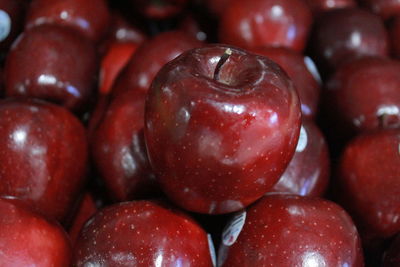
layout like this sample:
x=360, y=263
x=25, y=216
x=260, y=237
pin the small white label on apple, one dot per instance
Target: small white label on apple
x=212, y=250
x=312, y=69
x=5, y=25
x=233, y=228
x=303, y=139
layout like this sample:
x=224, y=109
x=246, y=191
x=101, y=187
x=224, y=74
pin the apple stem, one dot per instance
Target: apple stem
x=225, y=56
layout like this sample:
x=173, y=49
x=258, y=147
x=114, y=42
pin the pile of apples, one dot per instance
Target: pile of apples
x=200, y=133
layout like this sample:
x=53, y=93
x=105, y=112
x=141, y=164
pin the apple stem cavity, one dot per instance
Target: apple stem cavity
x=225, y=56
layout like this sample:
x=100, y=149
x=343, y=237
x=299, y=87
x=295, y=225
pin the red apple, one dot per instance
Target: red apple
x=394, y=31
x=308, y=171
x=217, y=7
x=86, y=209
x=285, y=230
x=254, y=23
x=364, y=94
x=150, y=57
x=90, y=17
x=12, y=14
x=159, y=9
x=368, y=178
x=344, y=34
x=52, y=63
x=142, y=233
x=119, y=151
x=384, y=8
x=43, y=155
x=320, y=6
x=29, y=239
x=221, y=125
x=303, y=73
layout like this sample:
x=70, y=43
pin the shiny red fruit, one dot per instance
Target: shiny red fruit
x=12, y=14
x=308, y=171
x=217, y=6
x=302, y=71
x=394, y=33
x=221, y=125
x=364, y=94
x=253, y=23
x=368, y=176
x=159, y=9
x=52, y=63
x=119, y=151
x=344, y=34
x=142, y=234
x=28, y=239
x=90, y=17
x=150, y=57
x=384, y=8
x=320, y=6
x=43, y=155
x=284, y=231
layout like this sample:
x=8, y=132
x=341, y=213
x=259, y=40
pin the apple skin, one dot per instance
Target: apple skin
x=29, y=239
x=368, y=182
x=294, y=64
x=43, y=64
x=371, y=82
x=384, y=8
x=392, y=255
x=119, y=151
x=217, y=7
x=12, y=21
x=43, y=150
x=218, y=145
x=286, y=230
x=89, y=17
x=341, y=35
x=142, y=233
x=159, y=9
x=253, y=23
x=394, y=33
x=318, y=7
x=308, y=172
x=150, y=57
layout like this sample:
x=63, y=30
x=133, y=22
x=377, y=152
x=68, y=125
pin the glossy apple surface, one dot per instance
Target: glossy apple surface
x=119, y=151
x=220, y=130
x=43, y=154
x=253, y=23
x=52, y=63
x=365, y=95
x=28, y=239
x=302, y=71
x=343, y=34
x=12, y=13
x=150, y=57
x=320, y=6
x=90, y=17
x=285, y=230
x=308, y=172
x=384, y=8
x=142, y=233
x=368, y=177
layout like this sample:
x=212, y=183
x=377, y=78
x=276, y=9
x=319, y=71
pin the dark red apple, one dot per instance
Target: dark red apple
x=29, y=239
x=364, y=94
x=119, y=151
x=369, y=181
x=384, y=8
x=394, y=33
x=86, y=209
x=303, y=73
x=159, y=9
x=308, y=171
x=142, y=233
x=217, y=7
x=343, y=34
x=43, y=155
x=150, y=57
x=318, y=7
x=285, y=230
x=392, y=256
x=253, y=23
x=52, y=63
x=12, y=14
x=90, y=17
x=221, y=125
